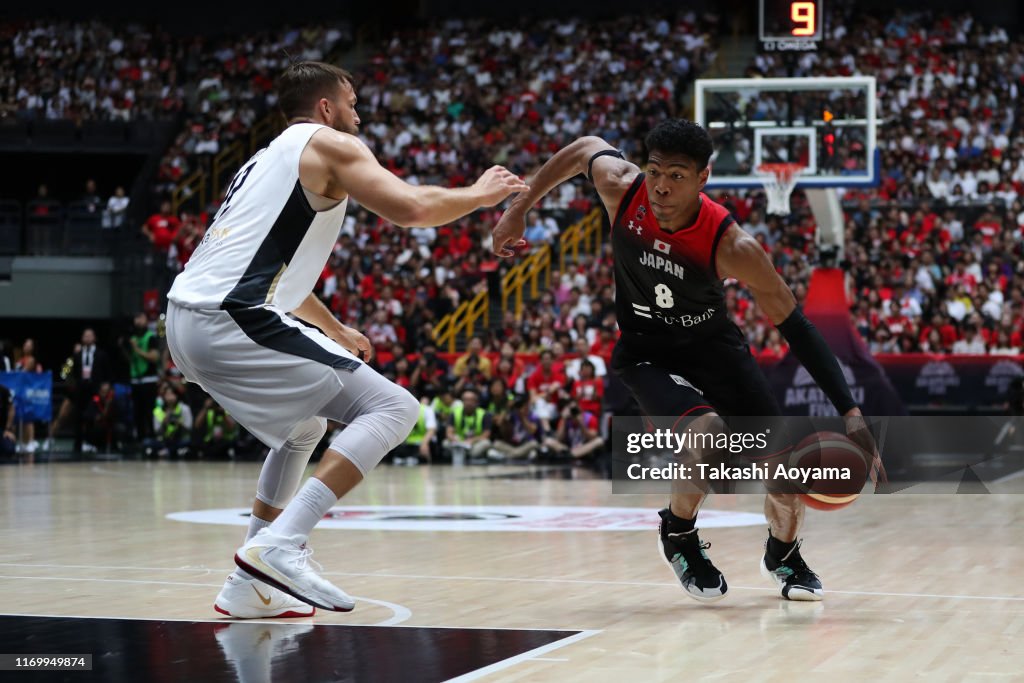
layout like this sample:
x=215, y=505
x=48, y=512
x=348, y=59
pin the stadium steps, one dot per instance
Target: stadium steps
x=734, y=56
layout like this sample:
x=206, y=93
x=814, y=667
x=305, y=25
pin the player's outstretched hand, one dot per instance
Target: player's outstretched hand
x=857, y=430
x=507, y=235
x=496, y=183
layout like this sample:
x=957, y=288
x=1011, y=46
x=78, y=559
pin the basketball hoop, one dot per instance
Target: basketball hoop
x=779, y=180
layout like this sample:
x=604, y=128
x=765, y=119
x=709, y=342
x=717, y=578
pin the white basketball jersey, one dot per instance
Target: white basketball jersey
x=266, y=245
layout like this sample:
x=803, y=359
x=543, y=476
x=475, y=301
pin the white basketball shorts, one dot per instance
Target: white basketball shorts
x=268, y=371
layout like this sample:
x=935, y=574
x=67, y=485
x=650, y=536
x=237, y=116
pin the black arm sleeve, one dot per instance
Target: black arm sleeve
x=811, y=350
x=602, y=153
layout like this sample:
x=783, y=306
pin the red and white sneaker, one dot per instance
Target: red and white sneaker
x=252, y=599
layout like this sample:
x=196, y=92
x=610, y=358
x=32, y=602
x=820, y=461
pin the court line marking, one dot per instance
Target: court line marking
x=290, y=621
x=529, y=655
x=1008, y=477
x=399, y=613
x=519, y=579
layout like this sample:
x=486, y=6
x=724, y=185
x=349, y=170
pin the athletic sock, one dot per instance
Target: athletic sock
x=309, y=506
x=679, y=525
x=255, y=524
x=778, y=549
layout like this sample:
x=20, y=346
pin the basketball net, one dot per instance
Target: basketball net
x=779, y=180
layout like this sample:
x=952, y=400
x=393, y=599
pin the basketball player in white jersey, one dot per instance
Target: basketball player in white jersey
x=229, y=329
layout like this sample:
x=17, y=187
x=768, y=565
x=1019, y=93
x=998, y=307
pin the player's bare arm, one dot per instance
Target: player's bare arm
x=742, y=257
x=336, y=164
x=610, y=173
x=313, y=311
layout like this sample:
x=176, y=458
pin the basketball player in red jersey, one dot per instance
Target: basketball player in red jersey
x=679, y=354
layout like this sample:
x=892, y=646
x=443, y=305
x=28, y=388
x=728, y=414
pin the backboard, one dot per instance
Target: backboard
x=825, y=124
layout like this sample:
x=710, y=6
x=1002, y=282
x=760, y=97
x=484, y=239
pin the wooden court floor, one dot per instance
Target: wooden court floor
x=923, y=587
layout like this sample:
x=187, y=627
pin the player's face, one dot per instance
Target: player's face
x=674, y=183
x=344, y=117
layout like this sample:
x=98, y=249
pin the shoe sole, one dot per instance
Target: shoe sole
x=698, y=598
x=797, y=595
x=287, y=614
x=287, y=589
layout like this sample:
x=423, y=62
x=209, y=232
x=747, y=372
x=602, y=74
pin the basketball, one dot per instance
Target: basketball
x=825, y=453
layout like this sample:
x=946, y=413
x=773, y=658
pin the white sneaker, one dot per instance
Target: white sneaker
x=243, y=598
x=284, y=562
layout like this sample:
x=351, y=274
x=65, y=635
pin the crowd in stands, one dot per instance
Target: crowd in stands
x=935, y=251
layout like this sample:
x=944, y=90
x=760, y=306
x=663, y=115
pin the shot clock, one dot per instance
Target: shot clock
x=791, y=24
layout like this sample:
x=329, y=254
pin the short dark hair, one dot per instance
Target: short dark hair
x=303, y=84
x=679, y=136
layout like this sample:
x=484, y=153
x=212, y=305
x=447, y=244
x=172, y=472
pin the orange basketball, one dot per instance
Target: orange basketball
x=840, y=469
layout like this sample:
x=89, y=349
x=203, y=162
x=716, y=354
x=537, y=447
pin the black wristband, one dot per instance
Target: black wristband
x=602, y=153
x=814, y=353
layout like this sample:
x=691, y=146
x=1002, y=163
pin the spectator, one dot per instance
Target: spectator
x=588, y=389
x=161, y=228
x=90, y=199
x=101, y=419
x=546, y=385
x=572, y=367
x=473, y=351
x=470, y=428
x=141, y=352
x=90, y=368
x=8, y=439
x=517, y=434
x=577, y=435
x=216, y=432
x=972, y=343
x=421, y=442
x=172, y=424
x=117, y=207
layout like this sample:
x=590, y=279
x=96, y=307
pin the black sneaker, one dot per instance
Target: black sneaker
x=792, y=576
x=685, y=554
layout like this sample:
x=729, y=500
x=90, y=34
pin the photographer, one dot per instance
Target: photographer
x=219, y=432
x=172, y=422
x=470, y=427
x=422, y=440
x=577, y=433
x=429, y=372
x=517, y=433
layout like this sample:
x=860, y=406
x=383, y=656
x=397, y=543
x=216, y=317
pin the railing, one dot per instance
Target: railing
x=527, y=271
x=228, y=160
x=270, y=126
x=585, y=235
x=463, y=319
x=192, y=187
x=225, y=163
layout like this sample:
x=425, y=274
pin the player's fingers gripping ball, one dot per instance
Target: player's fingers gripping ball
x=833, y=468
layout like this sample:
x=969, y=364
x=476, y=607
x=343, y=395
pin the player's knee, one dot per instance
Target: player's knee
x=409, y=409
x=308, y=432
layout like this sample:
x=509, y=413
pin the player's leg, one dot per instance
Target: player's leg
x=665, y=394
x=243, y=596
x=379, y=416
x=736, y=384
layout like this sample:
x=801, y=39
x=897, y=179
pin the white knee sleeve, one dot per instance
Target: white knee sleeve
x=383, y=421
x=283, y=468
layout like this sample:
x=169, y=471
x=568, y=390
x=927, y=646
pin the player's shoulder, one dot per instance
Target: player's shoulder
x=716, y=211
x=327, y=140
